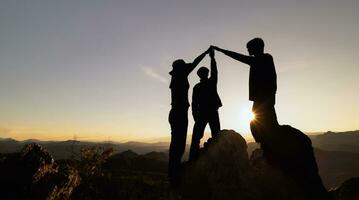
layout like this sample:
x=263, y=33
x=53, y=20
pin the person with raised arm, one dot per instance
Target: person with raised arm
x=178, y=116
x=205, y=104
x=262, y=86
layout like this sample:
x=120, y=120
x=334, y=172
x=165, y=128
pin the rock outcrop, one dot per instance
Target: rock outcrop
x=33, y=174
x=222, y=171
x=283, y=169
x=290, y=151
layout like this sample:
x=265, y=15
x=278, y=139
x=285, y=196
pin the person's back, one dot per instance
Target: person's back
x=205, y=95
x=179, y=86
x=262, y=77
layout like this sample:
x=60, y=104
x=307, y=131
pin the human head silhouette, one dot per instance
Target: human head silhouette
x=203, y=73
x=178, y=66
x=255, y=46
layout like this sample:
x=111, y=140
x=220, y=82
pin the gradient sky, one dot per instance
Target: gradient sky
x=99, y=69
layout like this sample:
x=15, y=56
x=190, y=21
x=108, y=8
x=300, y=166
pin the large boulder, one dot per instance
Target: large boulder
x=222, y=170
x=274, y=183
x=290, y=151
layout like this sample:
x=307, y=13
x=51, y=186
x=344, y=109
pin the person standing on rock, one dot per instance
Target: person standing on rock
x=178, y=116
x=262, y=86
x=205, y=104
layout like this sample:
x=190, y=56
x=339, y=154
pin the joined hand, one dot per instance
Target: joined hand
x=214, y=47
x=211, y=52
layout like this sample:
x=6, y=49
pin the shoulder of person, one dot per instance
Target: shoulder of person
x=267, y=55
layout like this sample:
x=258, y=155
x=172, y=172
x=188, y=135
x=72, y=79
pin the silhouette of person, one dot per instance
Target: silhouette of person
x=205, y=104
x=178, y=116
x=262, y=86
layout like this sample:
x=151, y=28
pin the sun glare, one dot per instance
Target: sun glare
x=244, y=116
x=252, y=116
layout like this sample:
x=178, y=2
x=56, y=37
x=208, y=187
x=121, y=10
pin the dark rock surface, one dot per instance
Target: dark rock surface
x=33, y=174
x=221, y=172
x=291, y=151
x=349, y=190
x=284, y=168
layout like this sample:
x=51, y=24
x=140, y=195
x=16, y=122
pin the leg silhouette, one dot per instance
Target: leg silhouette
x=178, y=120
x=214, y=123
x=198, y=131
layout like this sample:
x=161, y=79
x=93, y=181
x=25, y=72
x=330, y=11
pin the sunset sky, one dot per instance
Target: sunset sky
x=99, y=69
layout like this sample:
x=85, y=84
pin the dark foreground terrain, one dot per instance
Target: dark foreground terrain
x=98, y=173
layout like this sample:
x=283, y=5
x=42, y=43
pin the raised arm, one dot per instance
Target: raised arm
x=237, y=56
x=197, y=61
x=214, y=71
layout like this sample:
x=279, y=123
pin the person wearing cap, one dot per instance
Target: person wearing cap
x=178, y=115
x=205, y=105
x=262, y=86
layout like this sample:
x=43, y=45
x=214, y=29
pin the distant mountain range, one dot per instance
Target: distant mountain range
x=329, y=141
x=64, y=149
x=342, y=141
